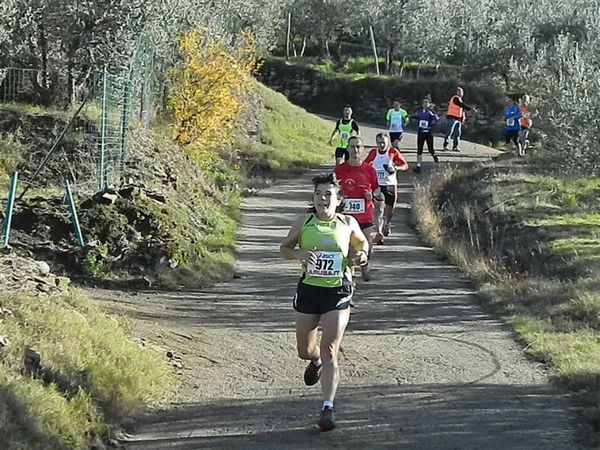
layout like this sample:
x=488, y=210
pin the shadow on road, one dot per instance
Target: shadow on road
x=423, y=416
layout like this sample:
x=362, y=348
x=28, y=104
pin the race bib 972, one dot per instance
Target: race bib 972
x=354, y=205
x=329, y=264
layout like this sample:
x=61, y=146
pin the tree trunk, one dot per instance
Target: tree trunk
x=287, y=40
x=402, y=67
x=376, y=58
x=303, y=47
x=327, y=48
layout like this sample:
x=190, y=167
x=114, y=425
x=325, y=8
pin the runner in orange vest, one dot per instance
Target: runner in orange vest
x=455, y=117
x=526, y=122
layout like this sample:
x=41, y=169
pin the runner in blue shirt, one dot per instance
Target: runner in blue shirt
x=426, y=116
x=512, y=125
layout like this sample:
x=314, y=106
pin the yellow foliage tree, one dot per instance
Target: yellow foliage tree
x=208, y=91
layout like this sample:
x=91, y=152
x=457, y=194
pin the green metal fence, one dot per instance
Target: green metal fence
x=114, y=127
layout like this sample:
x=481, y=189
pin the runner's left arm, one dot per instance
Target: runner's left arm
x=375, y=192
x=400, y=162
x=358, y=240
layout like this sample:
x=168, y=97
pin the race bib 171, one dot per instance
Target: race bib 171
x=354, y=205
x=329, y=264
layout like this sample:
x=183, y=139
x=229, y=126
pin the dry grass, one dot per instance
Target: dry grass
x=531, y=242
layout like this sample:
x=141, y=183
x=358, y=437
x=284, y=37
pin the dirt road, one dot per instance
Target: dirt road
x=423, y=367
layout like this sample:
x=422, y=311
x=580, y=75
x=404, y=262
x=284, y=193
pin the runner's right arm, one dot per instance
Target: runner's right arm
x=335, y=131
x=288, y=249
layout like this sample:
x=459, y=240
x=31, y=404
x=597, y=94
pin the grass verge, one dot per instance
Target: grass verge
x=89, y=376
x=531, y=242
x=287, y=139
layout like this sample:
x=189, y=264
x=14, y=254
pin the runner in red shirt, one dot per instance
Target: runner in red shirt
x=359, y=187
x=386, y=160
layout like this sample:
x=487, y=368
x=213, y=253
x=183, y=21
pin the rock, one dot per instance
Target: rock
x=108, y=198
x=43, y=267
x=32, y=362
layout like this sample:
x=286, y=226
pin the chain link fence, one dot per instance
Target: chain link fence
x=93, y=153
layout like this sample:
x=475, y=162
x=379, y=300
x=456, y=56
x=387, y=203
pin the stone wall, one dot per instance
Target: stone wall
x=371, y=97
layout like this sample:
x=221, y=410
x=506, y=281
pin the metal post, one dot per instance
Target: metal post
x=103, y=131
x=55, y=145
x=9, y=209
x=74, y=218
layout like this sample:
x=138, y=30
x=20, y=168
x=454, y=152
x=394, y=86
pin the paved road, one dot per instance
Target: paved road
x=423, y=367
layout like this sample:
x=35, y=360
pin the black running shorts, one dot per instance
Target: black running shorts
x=342, y=153
x=395, y=136
x=512, y=135
x=390, y=194
x=320, y=300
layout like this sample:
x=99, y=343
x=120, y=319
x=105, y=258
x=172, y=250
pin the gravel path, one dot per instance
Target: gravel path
x=423, y=366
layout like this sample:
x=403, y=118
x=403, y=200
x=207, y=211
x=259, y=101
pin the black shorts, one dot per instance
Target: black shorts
x=364, y=226
x=390, y=194
x=320, y=300
x=395, y=136
x=342, y=153
x=512, y=135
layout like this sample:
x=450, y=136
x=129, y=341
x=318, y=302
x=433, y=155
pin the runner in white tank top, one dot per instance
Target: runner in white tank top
x=386, y=160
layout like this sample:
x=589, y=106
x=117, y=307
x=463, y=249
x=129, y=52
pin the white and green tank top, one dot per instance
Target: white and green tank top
x=332, y=241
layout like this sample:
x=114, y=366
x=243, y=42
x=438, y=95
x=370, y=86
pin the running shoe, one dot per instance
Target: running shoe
x=417, y=169
x=387, y=229
x=312, y=374
x=378, y=239
x=366, y=272
x=435, y=159
x=445, y=148
x=327, y=420
x=456, y=149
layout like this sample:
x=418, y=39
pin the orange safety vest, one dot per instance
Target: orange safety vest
x=454, y=110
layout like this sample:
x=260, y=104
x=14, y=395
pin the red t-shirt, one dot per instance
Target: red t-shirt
x=356, y=181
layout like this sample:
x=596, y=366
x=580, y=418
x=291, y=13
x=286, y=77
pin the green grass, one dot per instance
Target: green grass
x=535, y=257
x=93, y=374
x=290, y=140
x=11, y=154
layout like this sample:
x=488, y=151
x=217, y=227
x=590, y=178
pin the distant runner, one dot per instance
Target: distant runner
x=397, y=119
x=455, y=117
x=512, y=126
x=360, y=187
x=324, y=237
x=345, y=128
x=426, y=117
x=386, y=160
x=526, y=122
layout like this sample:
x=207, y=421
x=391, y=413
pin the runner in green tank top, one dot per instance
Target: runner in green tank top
x=345, y=128
x=324, y=237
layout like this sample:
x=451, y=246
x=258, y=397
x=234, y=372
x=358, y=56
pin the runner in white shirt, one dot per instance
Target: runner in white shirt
x=386, y=160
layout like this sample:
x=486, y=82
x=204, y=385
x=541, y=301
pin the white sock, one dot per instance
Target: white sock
x=317, y=363
x=327, y=404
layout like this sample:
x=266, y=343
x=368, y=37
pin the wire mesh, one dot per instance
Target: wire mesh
x=94, y=152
